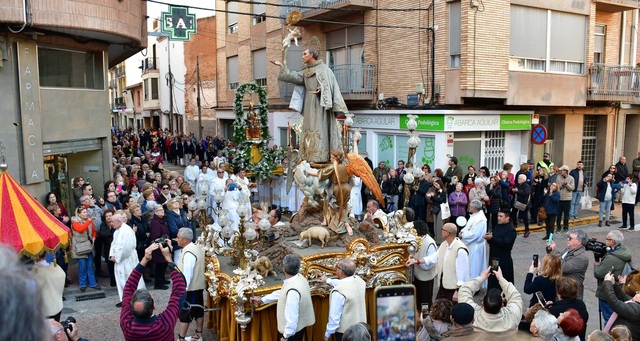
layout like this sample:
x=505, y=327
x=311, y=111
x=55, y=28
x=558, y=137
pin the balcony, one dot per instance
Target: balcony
x=119, y=101
x=148, y=63
x=119, y=71
x=614, y=83
x=613, y=6
x=355, y=81
x=323, y=9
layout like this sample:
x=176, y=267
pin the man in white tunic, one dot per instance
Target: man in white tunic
x=191, y=173
x=123, y=251
x=473, y=236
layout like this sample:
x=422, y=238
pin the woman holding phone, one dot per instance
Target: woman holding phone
x=545, y=278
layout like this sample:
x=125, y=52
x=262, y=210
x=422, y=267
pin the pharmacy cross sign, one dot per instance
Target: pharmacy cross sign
x=179, y=23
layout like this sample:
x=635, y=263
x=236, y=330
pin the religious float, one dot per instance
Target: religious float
x=245, y=259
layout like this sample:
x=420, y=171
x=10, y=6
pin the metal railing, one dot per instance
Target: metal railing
x=355, y=81
x=314, y=5
x=354, y=78
x=148, y=64
x=614, y=82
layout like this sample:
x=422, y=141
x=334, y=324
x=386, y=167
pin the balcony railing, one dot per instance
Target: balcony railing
x=614, y=83
x=355, y=81
x=148, y=64
x=312, y=8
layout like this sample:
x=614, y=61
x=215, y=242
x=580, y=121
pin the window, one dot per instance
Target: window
x=146, y=89
x=70, y=69
x=260, y=67
x=154, y=88
x=232, y=17
x=558, y=43
x=392, y=148
x=455, y=33
x=598, y=43
x=259, y=11
x=232, y=72
x=345, y=55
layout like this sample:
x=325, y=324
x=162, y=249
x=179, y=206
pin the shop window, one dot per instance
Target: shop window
x=70, y=69
x=392, y=148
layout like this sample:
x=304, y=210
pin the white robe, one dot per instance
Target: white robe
x=191, y=175
x=473, y=236
x=123, y=249
x=230, y=203
x=355, y=199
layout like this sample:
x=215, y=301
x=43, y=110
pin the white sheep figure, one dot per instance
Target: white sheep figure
x=319, y=232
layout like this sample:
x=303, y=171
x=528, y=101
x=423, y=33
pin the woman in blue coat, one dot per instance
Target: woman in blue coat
x=176, y=219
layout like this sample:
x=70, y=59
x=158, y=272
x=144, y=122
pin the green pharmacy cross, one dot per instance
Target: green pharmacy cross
x=179, y=23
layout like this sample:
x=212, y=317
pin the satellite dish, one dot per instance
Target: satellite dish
x=461, y=221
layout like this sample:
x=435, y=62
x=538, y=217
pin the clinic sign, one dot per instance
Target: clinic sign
x=179, y=23
x=457, y=122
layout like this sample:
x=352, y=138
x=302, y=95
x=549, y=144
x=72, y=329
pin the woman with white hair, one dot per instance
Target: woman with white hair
x=521, y=194
x=478, y=192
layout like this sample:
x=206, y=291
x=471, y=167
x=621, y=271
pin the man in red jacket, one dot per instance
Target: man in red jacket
x=136, y=318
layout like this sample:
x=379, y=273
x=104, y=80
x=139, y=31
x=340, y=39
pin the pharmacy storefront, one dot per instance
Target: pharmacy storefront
x=479, y=138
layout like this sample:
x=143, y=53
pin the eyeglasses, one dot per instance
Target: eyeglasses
x=165, y=187
x=89, y=189
x=608, y=239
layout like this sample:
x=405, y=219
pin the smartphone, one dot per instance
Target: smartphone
x=550, y=240
x=535, y=261
x=495, y=263
x=425, y=310
x=541, y=299
x=395, y=307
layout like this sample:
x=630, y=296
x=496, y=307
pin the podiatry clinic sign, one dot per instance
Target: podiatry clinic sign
x=476, y=121
x=179, y=23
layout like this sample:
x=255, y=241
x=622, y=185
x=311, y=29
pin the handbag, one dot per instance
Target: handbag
x=585, y=202
x=84, y=247
x=521, y=206
x=542, y=214
x=542, y=211
x=445, y=212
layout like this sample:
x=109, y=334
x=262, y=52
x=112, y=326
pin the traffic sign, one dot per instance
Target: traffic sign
x=539, y=134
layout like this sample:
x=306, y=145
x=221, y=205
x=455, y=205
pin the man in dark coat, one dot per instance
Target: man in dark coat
x=501, y=241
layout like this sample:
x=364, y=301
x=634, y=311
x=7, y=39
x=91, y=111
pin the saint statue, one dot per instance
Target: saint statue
x=320, y=130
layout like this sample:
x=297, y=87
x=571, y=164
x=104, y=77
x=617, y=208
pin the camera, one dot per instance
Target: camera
x=599, y=248
x=65, y=324
x=162, y=240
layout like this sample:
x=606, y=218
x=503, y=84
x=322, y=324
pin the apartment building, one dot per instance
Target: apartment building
x=142, y=93
x=480, y=74
x=55, y=57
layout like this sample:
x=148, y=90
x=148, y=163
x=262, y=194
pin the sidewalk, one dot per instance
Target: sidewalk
x=584, y=217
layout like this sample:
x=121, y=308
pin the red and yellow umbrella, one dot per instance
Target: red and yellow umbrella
x=25, y=224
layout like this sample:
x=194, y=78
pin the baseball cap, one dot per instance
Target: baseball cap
x=462, y=313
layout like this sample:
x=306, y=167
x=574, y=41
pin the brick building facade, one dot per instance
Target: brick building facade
x=569, y=65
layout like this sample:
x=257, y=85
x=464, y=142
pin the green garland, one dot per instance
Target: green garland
x=242, y=158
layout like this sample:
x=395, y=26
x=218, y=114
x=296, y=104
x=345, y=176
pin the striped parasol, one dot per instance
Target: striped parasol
x=24, y=223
